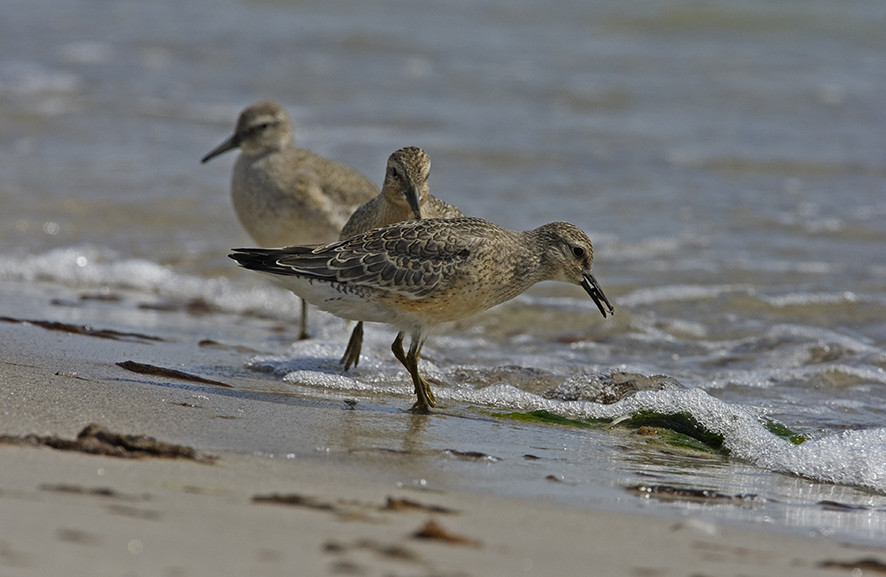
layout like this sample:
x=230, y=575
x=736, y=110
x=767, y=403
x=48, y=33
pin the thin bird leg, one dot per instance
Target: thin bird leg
x=410, y=361
x=304, y=321
x=397, y=349
x=352, y=353
x=423, y=391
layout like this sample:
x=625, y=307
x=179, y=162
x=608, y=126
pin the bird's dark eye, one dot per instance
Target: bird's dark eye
x=578, y=251
x=256, y=129
x=394, y=172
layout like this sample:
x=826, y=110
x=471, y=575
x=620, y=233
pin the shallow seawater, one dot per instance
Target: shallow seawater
x=728, y=161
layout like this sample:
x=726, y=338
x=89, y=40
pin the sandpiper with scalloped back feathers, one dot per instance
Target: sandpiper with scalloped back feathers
x=404, y=195
x=419, y=273
x=284, y=195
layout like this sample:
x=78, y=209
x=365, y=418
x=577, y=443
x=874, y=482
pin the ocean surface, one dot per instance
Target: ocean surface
x=727, y=158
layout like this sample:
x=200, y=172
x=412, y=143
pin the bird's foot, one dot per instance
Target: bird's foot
x=420, y=408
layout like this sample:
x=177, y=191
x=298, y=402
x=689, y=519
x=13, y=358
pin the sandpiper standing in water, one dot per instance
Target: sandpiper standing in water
x=404, y=195
x=419, y=273
x=284, y=195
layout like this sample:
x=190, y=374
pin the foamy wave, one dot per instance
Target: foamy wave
x=833, y=374
x=94, y=268
x=856, y=458
x=807, y=299
x=677, y=293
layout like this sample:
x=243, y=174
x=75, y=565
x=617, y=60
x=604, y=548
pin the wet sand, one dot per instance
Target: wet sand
x=307, y=512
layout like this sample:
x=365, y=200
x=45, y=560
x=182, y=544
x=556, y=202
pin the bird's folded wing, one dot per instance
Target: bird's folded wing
x=408, y=259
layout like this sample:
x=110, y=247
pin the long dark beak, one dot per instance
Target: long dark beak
x=229, y=144
x=593, y=288
x=413, y=198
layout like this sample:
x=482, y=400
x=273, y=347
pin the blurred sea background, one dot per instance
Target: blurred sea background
x=728, y=159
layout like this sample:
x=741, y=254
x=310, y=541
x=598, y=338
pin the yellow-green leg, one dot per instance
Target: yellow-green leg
x=352, y=353
x=397, y=348
x=409, y=360
x=304, y=321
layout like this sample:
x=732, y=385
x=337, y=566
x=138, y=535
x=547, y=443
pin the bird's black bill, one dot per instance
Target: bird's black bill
x=412, y=197
x=593, y=289
x=229, y=144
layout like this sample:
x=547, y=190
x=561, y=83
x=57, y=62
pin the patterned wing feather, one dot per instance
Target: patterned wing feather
x=409, y=258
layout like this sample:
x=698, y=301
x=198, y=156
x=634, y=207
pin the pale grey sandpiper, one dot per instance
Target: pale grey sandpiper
x=419, y=273
x=284, y=195
x=404, y=195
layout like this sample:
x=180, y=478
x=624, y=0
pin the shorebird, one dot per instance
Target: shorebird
x=284, y=195
x=404, y=195
x=419, y=273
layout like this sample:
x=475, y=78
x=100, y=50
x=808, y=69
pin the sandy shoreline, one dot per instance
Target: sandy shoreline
x=69, y=513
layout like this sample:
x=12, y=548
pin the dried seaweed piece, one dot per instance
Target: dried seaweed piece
x=144, y=369
x=295, y=500
x=470, y=455
x=78, y=537
x=86, y=330
x=101, y=297
x=195, y=306
x=669, y=493
x=217, y=345
x=837, y=506
x=869, y=564
x=78, y=490
x=433, y=531
x=94, y=492
x=96, y=440
x=406, y=505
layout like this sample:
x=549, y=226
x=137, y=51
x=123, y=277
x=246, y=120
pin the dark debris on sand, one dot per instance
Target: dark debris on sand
x=85, y=330
x=433, y=531
x=96, y=440
x=144, y=369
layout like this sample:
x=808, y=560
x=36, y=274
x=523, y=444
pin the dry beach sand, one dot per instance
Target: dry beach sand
x=242, y=510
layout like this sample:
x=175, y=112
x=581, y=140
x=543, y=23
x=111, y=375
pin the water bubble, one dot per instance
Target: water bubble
x=51, y=228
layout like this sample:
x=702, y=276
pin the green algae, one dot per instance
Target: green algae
x=680, y=431
x=683, y=424
x=664, y=438
x=780, y=430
